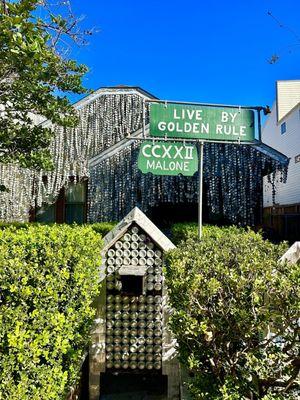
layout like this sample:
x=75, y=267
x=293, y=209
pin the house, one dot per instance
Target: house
x=96, y=176
x=282, y=132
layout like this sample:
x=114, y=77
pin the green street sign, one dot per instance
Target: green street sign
x=201, y=122
x=165, y=158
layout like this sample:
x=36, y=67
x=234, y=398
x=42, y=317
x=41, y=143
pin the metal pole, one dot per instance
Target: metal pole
x=171, y=139
x=200, y=189
x=195, y=103
x=144, y=119
x=259, y=124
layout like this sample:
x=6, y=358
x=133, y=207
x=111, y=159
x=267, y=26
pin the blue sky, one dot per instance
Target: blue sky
x=206, y=51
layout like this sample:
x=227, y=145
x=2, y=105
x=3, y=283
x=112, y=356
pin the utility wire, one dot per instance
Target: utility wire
x=281, y=25
x=275, y=57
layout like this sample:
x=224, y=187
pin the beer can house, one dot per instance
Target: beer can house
x=130, y=338
x=96, y=175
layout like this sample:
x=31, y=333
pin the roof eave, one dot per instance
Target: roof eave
x=272, y=153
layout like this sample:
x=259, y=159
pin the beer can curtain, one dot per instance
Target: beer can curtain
x=232, y=173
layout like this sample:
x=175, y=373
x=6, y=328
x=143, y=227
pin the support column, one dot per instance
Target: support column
x=97, y=348
x=170, y=364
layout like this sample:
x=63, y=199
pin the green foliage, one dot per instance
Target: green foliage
x=31, y=71
x=16, y=225
x=49, y=276
x=235, y=314
x=103, y=227
x=187, y=230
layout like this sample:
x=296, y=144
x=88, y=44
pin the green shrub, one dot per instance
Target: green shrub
x=184, y=231
x=103, y=227
x=100, y=227
x=17, y=225
x=227, y=292
x=49, y=276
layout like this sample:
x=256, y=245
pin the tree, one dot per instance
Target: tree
x=235, y=316
x=35, y=75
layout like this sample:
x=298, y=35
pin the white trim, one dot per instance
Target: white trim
x=102, y=91
x=99, y=92
x=288, y=114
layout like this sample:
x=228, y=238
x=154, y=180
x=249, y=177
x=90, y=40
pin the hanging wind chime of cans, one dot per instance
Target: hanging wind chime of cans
x=134, y=323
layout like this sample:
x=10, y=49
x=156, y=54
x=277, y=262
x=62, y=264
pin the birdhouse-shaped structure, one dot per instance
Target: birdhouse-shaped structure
x=130, y=337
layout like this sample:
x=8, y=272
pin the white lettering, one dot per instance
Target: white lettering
x=150, y=164
x=219, y=129
x=196, y=127
x=187, y=127
x=189, y=152
x=227, y=129
x=175, y=114
x=161, y=126
x=190, y=113
x=198, y=115
x=178, y=152
x=178, y=127
x=156, y=155
x=172, y=166
x=233, y=116
x=179, y=165
x=224, y=117
x=242, y=130
x=158, y=165
x=167, y=151
x=205, y=127
x=147, y=146
x=171, y=126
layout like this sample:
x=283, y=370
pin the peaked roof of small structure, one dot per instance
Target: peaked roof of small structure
x=138, y=217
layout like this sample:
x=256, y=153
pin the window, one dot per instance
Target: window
x=69, y=207
x=75, y=203
x=133, y=285
x=47, y=213
x=133, y=279
x=283, y=128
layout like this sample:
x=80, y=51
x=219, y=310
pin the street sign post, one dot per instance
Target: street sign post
x=200, y=189
x=192, y=122
x=201, y=122
x=165, y=158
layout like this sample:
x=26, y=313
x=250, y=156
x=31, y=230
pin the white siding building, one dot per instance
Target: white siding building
x=282, y=132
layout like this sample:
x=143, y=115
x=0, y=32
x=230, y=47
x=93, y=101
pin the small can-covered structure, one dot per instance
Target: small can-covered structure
x=130, y=336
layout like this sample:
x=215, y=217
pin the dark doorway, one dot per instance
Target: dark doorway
x=133, y=386
x=166, y=214
x=83, y=386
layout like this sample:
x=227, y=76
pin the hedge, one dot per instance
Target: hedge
x=100, y=227
x=187, y=230
x=235, y=314
x=49, y=276
x=103, y=227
